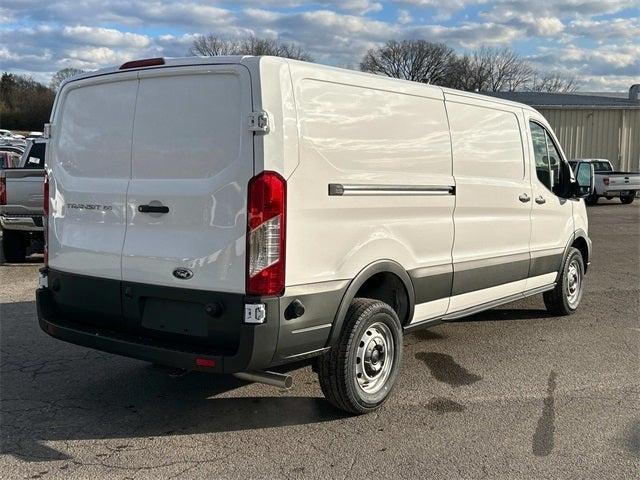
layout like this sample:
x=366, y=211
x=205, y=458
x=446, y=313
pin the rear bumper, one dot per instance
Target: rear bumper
x=175, y=326
x=255, y=346
x=617, y=193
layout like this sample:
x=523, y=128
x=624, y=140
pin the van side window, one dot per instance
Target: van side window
x=554, y=163
x=539, y=139
x=547, y=158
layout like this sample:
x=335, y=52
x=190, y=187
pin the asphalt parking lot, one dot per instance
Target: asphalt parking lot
x=509, y=393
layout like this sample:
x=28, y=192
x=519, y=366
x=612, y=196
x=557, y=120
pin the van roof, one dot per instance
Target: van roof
x=185, y=61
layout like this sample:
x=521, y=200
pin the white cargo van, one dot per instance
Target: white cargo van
x=236, y=214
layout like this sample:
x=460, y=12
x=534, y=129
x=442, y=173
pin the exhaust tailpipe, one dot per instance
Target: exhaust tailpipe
x=274, y=379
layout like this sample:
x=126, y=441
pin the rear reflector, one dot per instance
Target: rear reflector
x=147, y=62
x=266, y=222
x=205, y=362
x=3, y=191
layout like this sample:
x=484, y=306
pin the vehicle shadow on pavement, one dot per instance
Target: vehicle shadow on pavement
x=52, y=391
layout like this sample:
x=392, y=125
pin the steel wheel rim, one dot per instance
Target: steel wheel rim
x=574, y=283
x=374, y=358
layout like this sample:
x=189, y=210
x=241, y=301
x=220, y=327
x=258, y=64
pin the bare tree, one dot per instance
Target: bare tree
x=497, y=70
x=61, y=75
x=210, y=45
x=554, y=83
x=416, y=60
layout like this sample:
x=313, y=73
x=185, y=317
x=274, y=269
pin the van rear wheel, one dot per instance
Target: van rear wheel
x=565, y=297
x=358, y=374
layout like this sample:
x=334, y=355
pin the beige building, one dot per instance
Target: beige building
x=593, y=125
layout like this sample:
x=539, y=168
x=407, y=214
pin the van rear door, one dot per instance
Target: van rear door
x=89, y=157
x=192, y=159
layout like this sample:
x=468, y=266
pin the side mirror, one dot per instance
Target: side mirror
x=584, y=180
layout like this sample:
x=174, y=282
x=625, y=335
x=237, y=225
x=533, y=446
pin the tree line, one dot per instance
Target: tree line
x=482, y=70
x=25, y=104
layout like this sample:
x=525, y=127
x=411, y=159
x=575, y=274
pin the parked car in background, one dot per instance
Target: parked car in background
x=608, y=182
x=9, y=135
x=310, y=225
x=19, y=149
x=12, y=142
x=21, y=203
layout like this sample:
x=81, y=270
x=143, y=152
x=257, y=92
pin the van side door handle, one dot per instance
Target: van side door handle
x=524, y=198
x=540, y=200
x=153, y=209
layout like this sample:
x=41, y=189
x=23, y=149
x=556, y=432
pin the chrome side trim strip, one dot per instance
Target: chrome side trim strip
x=496, y=303
x=339, y=190
x=311, y=329
x=300, y=356
x=429, y=322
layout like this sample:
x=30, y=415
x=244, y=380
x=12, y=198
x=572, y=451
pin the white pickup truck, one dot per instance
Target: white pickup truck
x=608, y=182
x=21, y=207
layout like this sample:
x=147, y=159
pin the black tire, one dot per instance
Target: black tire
x=557, y=300
x=591, y=199
x=13, y=246
x=337, y=368
x=627, y=199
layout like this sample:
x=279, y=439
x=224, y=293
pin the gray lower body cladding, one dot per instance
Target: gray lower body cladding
x=443, y=281
x=176, y=326
x=181, y=327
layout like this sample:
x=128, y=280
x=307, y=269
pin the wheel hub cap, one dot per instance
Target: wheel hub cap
x=574, y=283
x=374, y=358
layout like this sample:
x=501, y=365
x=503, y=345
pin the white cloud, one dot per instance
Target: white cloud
x=404, y=17
x=625, y=28
x=41, y=36
x=534, y=25
x=106, y=36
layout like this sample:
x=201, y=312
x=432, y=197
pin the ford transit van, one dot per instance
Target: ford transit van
x=238, y=214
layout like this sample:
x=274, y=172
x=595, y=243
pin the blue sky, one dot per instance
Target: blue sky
x=595, y=41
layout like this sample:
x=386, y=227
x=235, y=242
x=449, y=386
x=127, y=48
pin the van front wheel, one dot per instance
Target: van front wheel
x=358, y=374
x=565, y=297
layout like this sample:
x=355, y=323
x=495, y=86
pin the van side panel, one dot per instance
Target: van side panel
x=369, y=138
x=493, y=201
x=89, y=162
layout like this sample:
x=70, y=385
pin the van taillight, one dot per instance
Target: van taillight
x=266, y=223
x=3, y=191
x=45, y=218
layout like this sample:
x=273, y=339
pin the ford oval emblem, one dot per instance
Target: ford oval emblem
x=182, y=273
